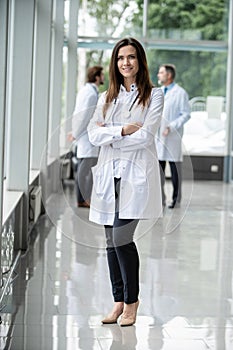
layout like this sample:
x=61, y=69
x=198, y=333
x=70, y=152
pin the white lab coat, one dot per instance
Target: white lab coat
x=176, y=112
x=140, y=191
x=86, y=102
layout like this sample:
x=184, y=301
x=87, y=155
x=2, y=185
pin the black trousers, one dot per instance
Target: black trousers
x=84, y=179
x=122, y=256
x=176, y=174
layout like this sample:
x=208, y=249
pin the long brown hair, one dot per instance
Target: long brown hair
x=144, y=84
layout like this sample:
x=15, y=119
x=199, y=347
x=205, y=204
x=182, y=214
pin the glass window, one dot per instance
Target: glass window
x=108, y=19
x=200, y=73
x=191, y=35
x=203, y=76
x=187, y=20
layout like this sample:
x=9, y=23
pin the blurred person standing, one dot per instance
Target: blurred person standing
x=87, y=154
x=126, y=179
x=169, y=141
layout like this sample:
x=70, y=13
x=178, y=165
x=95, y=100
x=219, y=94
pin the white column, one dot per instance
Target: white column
x=19, y=101
x=41, y=89
x=56, y=77
x=3, y=60
x=41, y=81
x=72, y=61
x=56, y=91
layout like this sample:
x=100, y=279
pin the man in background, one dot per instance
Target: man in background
x=87, y=154
x=169, y=141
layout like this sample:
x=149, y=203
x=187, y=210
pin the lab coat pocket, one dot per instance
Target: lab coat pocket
x=139, y=172
x=103, y=183
x=135, y=188
x=135, y=174
x=97, y=180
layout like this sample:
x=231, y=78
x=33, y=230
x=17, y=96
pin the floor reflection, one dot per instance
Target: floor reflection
x=60, y=288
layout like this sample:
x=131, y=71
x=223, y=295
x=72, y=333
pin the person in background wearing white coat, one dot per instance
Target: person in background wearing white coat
x=126, y=179
x=87, y=154
x=169, y=141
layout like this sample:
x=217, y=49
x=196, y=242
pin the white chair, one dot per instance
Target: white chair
x=197, y=103
x=214, y=106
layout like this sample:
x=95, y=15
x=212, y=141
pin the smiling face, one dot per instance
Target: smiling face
x=127, y=63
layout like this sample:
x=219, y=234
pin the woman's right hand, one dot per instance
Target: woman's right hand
x=129, y=129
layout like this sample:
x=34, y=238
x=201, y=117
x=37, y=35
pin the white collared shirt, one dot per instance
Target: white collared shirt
x=85, y=106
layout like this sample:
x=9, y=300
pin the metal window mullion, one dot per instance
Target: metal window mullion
x=229, y=100
x=145, y=19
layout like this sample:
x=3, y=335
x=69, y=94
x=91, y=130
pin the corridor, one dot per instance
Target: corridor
x=61, y=290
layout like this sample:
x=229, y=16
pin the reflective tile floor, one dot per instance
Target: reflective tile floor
x=60, y=289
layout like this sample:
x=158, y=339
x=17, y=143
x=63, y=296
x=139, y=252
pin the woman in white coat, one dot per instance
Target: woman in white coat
x=126, y=179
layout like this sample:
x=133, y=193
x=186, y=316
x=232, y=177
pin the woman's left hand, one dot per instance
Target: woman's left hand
x=130, y=128
x=100, y=124
x=166, y=131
